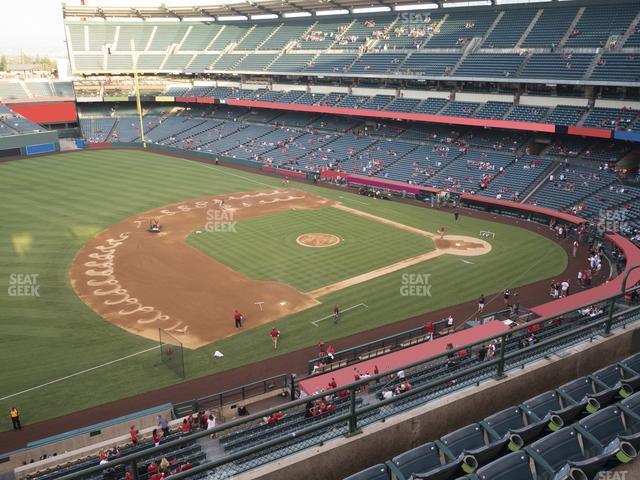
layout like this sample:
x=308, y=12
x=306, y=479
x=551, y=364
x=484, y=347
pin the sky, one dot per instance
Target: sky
x=36, y=27
x=32, y=26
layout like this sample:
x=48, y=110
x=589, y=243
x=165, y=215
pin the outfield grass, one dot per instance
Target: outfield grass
x=53, y=205
x=365, y=245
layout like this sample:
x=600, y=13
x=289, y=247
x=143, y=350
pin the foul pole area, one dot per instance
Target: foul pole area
x=136, y=85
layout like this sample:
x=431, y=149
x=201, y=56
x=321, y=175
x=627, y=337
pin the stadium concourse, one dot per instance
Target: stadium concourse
x=524, y=114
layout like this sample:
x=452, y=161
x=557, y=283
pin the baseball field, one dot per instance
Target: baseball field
x=85, y=286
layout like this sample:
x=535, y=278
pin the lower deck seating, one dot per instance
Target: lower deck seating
x=484, y=161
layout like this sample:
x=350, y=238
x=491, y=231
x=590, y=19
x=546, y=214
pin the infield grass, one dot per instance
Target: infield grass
x=53, y=205
x=364, y=246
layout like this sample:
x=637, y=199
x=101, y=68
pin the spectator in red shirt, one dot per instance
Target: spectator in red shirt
x=152, y=468
x=330, y=351
x=186, y=426
x=333, y=383
x=275, y=418
x=134, y=434
x=156, y=437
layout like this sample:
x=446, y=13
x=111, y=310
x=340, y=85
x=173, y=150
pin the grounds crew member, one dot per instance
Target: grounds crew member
x=15, y=418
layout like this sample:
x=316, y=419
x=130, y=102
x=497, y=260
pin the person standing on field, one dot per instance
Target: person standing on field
x=237, y=316
x=15, y=418
x=336, y=313
x=275, y=334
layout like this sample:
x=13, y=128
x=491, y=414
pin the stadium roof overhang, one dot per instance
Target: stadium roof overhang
x=252, y=8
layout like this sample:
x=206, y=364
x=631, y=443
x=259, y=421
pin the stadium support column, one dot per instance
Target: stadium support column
x=136, y=86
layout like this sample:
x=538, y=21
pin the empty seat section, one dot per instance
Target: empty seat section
x=599, y=22
x=492, y=110
x=330, y=63
x=430, y=64
x=489, y=65
x=290, y=62
x=228, y=34
x=135, y=35
x=257, y=35
x=165, y=36
x=255, y=62
x=386, y=63
x=431, y=105
x=285, y=34
x=510, y=28
x=550, y=27
x=459, y=28
x=569, y=66
x=200, y=36
x=618, y=67
x=565, y=115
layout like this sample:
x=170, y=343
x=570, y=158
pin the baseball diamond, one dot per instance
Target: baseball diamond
x=139, y=281
x=276, y=240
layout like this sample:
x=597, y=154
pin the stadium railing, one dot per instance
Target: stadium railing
x=374, y=348
x=566, y=329
x=391, y=343
x=238, y=394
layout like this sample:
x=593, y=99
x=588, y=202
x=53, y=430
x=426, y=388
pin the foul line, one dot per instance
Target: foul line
x=223, y=171
x=78, y=373
x=315, y=322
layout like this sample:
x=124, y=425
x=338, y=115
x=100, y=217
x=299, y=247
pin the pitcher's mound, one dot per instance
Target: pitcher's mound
x=317, y=240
